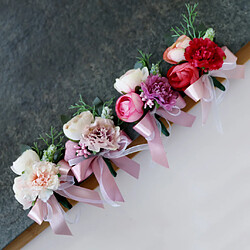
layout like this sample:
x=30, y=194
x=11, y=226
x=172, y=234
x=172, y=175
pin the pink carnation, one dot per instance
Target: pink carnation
x=102, y=134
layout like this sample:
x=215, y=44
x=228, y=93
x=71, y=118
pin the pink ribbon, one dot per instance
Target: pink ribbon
x=51, y=210
x=147, y=127
x=83, y=168
x=177, y=116
x=203, y=88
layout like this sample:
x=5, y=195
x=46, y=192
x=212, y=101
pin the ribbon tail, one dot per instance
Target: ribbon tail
x=57, y=220
x=216, y=111
x=147, y=127
x=128, y=165
x=157, y=149
x=82, y=195
x=38, y=212
x=183, y=119
x=205, y=108
x=207, y=103
x=108, y=187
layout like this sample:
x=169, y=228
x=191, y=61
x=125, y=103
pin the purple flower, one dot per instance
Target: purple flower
x=157, y=88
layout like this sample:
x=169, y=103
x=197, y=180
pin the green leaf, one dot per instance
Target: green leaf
x=144, y=59
x=97, y=101
x=201, y=29
x=108, y=162
x=64, y=119
x=57, y=156
x=157, y=105
x=98, y=104
x=63, y=201
x=24, y=147
x=138, y=65
x=218, y=85
x=163, y=128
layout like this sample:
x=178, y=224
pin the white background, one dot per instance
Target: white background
x=201, y=203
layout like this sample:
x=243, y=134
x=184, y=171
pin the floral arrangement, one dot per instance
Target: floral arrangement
x=147, y=96
x=151, y=98
x=45, y=180
x=198, y=60
x=94, y=142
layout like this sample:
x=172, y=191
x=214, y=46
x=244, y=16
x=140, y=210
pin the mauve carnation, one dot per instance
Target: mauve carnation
x=157, y=88
x=102, y=134
x=204, y=53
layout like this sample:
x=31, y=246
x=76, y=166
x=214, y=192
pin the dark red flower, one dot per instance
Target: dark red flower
x=205, y=54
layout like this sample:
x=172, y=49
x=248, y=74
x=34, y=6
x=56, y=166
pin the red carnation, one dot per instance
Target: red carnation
x=205, y=54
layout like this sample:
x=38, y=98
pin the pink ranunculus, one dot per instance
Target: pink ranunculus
x=129, y=107
x=175, y=53
x=183, y=75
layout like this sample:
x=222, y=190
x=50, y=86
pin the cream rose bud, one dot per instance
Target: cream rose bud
x=130, y=80
x=73, y=128
x=25, y=161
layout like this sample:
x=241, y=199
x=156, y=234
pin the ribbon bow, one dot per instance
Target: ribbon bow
x=51, y=210
x=83, y=168
x=203, y=89
x=148, y=128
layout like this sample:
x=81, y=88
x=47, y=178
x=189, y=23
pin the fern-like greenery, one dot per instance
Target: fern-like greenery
x=187, y=27
x=81, y=106
x=53, y=138
x=144, y=59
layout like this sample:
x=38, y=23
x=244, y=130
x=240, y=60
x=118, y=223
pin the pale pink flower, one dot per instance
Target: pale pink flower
x=38, y=179
x=102, y=134
x=44, y=179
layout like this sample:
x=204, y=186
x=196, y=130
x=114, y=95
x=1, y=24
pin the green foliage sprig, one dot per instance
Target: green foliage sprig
x=96, y=109
x=108, y=103
x=81, y=106
x=144, y=59
x=188, y=28
x=54, y=143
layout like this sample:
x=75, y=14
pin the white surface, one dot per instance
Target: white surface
x=201, y=203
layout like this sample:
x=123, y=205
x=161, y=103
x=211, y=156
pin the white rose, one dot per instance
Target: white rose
x=23, y=192
x=25, y=161
x=130, y=80
x=73, y=128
